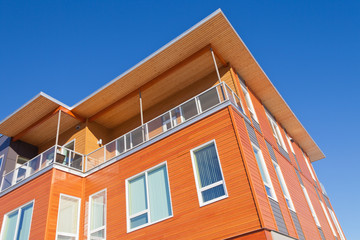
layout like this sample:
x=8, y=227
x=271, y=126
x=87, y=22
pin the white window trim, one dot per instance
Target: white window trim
x=78, y=220
x=312, y=210
x=290, y=143
x=268, y=178
x=328, y=218
x=309, y=167
x=249, y=103
x=286, y=190
x=197, y=181
x=337, y=225
x=276, y=132
x=18, y=218
x=2, y=162
x=89, y=214
x=148, y=203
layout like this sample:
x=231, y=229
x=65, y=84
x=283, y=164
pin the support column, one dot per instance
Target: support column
x=141, y=110
x=216, y=67
x=58, y=128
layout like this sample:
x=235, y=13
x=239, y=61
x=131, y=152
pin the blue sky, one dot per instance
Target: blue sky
x=309, y=49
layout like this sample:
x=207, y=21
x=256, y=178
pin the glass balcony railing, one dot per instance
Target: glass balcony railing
x=163, y=123
x=59, y=154
x=179, y=115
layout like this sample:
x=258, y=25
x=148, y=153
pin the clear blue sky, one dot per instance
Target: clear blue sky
x=309, y=49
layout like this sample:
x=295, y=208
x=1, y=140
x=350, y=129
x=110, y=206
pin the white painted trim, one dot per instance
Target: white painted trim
x=328, y=218
x=1, y=164
x=312, y=210
x=250, y=106
x=197, y=181
x=89, y=214
x=286, y=190
x=78, y=220
x=128, y=216
x=19, y=210
x=267, y=175
x=276, y=131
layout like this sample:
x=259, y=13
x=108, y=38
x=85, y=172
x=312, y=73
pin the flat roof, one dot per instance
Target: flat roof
x=215, y=30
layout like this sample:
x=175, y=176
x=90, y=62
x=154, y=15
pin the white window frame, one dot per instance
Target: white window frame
x=327, y=218
x=290, y=143
x=2, y=161
x=337, y=225
x=313, y=213
x=283, y=183
x=266, y=172
x=19, y=209
x=249, y=103
x=197, y=180
x=309, y=167
x=276, y=132
x=78, y=220
x=89, y=214
x=128, y=217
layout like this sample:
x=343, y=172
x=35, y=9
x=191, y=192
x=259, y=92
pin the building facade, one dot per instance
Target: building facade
x=194, y=142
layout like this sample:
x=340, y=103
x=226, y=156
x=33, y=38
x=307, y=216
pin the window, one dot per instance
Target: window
x=16, y=224
x=311, y=206
x=148, y=198
x=283, y=186
x=290, y=143
x=1, y=161
x=209, y=178
x=309, y=167
x=276, y=132
x=68, y=218
x=327, y=218
x=264, y=172
x=337, y=225
x=249, y=104
x=97, y=216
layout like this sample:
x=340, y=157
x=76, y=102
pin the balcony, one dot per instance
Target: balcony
x=172, y=119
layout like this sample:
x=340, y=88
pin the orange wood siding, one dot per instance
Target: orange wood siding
x=68, y=184
x=39, y=190
x=225, y=218
x=262, y=198
x=276, y=184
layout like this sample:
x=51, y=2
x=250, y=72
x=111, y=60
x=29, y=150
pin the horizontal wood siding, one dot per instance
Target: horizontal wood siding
x=228, y=217
x=38, y=190
x=254, y=172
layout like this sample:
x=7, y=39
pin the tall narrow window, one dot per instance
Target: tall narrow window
x=249, y=104
x=264, y=172
x=337, y=225
x=148, y=198
x=327, y=218
x=68, y=218
x=310, y=206
x=17, y=223
x=309, y=167
x=208, y=174
x=276, y=132
x=97, y=216
x=290, y=143
x=283, y=186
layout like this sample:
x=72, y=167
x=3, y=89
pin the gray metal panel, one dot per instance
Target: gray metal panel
x=321, y=233
x=278, y=216
x=327, y=202
x=256, y=124
x=297, y=225
x=252, y=134
x=283, y=152
x=297, y=173
x=297, y=163
x=271, y=151
x=317, y=192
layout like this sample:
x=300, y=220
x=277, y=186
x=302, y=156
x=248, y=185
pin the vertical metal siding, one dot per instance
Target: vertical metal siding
x=278, y=216
x=283, y=152
x=271, y=151
x=297, y=173
x=297, y=225
x=252, y=134
x=256, y=124
x=321, y=233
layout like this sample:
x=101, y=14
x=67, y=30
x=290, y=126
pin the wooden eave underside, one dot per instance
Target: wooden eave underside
x=218, y=32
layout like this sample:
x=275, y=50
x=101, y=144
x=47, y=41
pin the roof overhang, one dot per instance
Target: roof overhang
x=215, y=30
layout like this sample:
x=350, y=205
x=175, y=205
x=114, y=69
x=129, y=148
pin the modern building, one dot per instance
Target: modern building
x=194, y=142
